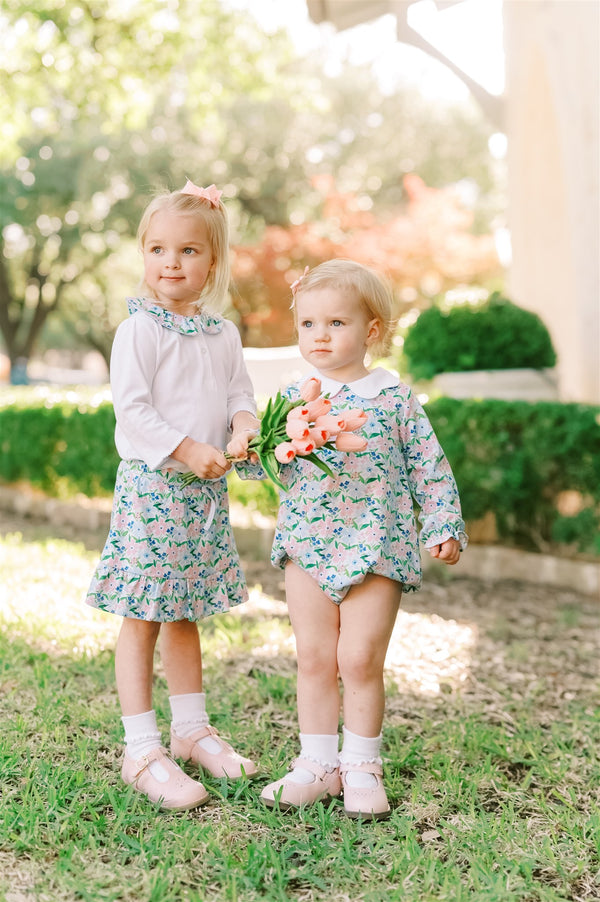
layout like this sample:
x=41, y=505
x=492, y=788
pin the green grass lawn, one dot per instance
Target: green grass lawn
x=491, y=752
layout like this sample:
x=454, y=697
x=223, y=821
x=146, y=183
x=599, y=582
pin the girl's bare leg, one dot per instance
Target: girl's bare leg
x=134, y=664
x=144, y=763
x=367, y=616
x=182, y=659
x=316, y=622
x=181, y=656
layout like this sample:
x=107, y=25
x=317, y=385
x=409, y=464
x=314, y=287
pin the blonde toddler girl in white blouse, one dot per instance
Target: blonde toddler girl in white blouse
x=180, y=390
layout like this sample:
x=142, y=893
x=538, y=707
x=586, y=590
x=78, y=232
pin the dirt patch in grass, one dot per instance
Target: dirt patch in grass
x=491, y=741
x=480, y=640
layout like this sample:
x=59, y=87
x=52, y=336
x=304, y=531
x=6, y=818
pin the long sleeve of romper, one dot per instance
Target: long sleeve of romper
x=430, y=477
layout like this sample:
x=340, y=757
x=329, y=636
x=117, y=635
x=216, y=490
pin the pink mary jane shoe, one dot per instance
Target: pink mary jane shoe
x=287, y=794
x=178, y=793
x=366, y=802
x=226, y=763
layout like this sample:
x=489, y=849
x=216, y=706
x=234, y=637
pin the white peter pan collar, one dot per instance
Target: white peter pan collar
x=368, y=387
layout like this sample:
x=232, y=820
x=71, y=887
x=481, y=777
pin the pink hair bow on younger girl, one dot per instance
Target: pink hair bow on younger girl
x=296, y=285
x=211, y=194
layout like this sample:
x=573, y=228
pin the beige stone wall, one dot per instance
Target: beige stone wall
x=552, y=127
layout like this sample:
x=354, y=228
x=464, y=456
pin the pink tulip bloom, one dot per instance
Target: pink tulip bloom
x=284, y=452
x=303, y=446
x=348, y=441
x=297, y=429
x=354, y=419
x=319, y=436
x=318, y=408
x=311, y=389
x=298, y=413
x=331, y=422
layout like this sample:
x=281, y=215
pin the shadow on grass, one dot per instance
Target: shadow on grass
x=490, y=750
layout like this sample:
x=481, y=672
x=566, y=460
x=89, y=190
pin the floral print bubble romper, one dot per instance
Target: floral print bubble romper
x=362, y=520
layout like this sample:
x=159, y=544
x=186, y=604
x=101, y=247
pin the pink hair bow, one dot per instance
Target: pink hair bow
x=211, y=194
x=296, y=285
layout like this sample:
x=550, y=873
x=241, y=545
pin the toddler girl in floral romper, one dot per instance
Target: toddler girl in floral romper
x=180, y=387
x=349, y=544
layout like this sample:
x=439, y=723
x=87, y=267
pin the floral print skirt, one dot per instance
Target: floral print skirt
x=170, y=553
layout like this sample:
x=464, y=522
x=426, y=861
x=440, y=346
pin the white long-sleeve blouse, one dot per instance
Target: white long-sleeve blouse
x=174, y=376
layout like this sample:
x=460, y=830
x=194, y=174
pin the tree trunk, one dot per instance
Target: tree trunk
x=18, y=371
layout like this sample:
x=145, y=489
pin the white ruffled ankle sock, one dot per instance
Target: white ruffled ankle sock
x=319, y=747
x=189, y=715
x=142, y=736
x=359, y=750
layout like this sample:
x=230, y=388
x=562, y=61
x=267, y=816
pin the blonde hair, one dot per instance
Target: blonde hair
x=368, y=287
x=214, y=293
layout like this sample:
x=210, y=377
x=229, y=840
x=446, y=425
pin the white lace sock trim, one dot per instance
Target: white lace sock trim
x=360, y=750
x=189, y=715
x=322, y=748
x=142, y=736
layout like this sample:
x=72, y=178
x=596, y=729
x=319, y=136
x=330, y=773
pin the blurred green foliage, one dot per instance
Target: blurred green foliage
x=519, y=460
x=514, y=459
x=102, y=103
x=254, y=494
x=61, y=447
x=494, y=335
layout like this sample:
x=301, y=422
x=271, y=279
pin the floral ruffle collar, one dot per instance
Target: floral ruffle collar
x=187, y=325
x=368, y=387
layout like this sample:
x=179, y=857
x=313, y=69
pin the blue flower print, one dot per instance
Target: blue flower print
x=373, y=498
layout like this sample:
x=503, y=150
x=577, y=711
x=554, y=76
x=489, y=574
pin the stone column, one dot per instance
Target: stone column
x=553, y=167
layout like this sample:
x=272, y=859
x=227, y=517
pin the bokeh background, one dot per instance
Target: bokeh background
x=453, y=145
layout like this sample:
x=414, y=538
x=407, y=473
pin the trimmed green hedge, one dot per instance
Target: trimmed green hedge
x=62, y=447
x=518, y=459
x=515, y=459
x=494, y=335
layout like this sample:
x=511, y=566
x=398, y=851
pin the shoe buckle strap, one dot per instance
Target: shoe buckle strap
x=367, y=767
x=146, y=760
x=313, y=766
x=202, y=733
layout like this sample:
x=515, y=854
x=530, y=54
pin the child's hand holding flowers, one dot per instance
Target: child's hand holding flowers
x=291, y=428
x=237, y=448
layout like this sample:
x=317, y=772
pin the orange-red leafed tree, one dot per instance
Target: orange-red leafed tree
x=427, y=247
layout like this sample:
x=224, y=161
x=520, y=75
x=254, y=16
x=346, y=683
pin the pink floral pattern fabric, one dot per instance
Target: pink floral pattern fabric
x=211, y=323
x=170, y=553
x=362, y=520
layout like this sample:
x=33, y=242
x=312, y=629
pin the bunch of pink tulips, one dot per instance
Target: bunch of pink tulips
x=290, y=428
x=311, y=424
